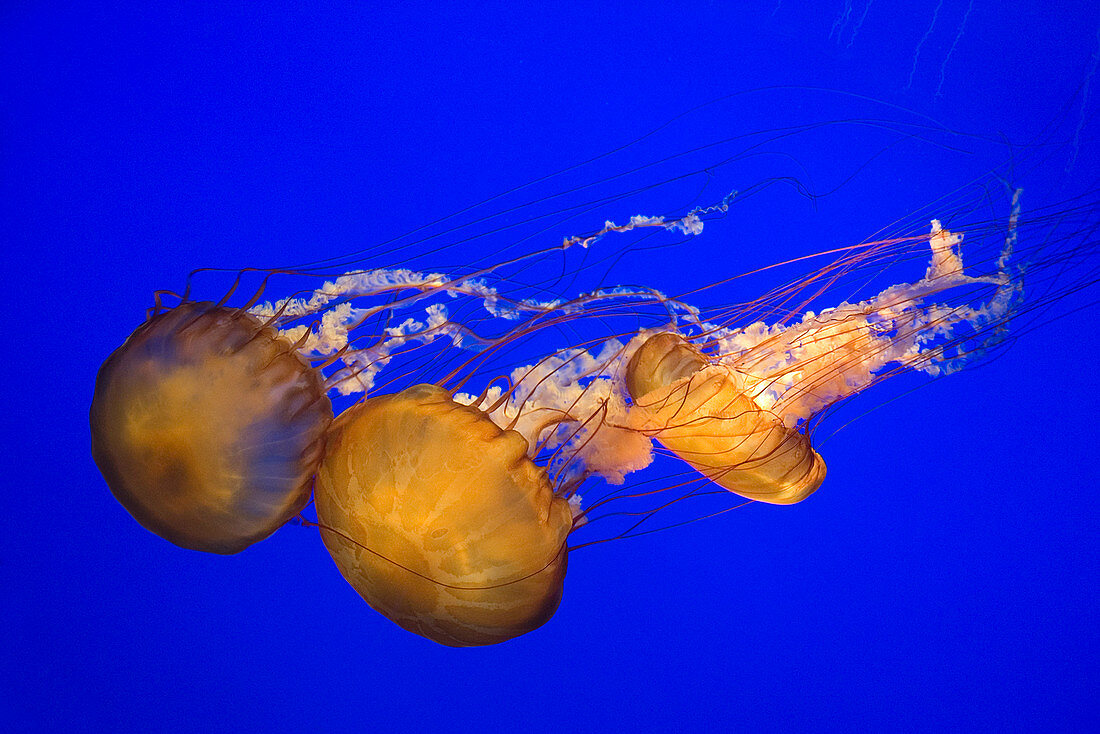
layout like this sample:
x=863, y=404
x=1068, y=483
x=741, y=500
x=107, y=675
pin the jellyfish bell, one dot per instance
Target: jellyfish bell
x=440, y=521
x=704, y=414
x=208, y=426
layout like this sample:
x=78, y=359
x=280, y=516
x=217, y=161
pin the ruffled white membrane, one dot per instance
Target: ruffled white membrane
x=572, y=406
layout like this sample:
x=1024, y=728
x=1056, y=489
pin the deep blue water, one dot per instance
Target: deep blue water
x=944, y=577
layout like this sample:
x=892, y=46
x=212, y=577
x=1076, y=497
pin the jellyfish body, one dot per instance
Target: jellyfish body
x=703, y=413
x=208, y=427
x=440, y=521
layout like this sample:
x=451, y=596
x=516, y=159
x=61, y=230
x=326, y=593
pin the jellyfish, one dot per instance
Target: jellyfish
x=487, y=417
x=733, y=416
x=706, y=415
x=439, y=519
x=209, y=427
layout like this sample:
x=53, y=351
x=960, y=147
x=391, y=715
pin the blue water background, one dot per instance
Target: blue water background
x=944, y=578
